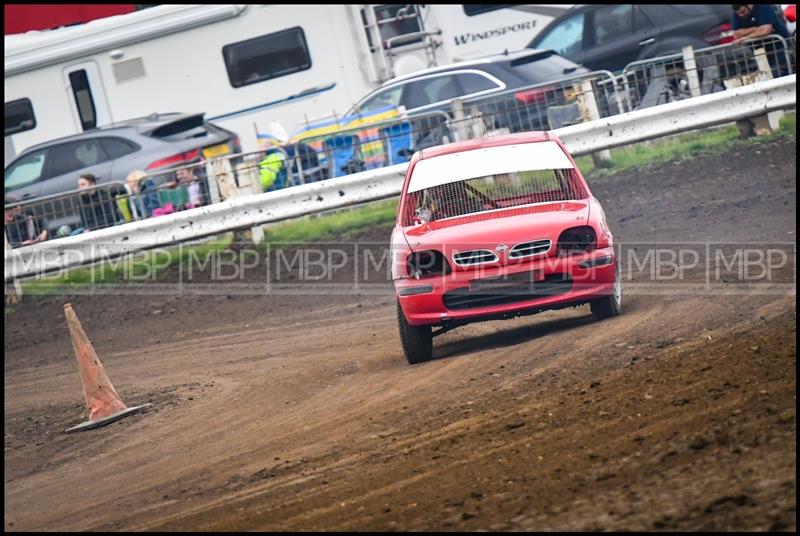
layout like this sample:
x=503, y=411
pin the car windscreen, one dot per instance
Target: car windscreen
x=493, y=192
x=490, y=178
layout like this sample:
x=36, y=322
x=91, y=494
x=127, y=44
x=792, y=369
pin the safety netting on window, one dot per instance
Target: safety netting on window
x=492, y=192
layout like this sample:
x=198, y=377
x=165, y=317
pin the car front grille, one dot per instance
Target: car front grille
x=474, y=257
x=483, y=293
x=529, y=249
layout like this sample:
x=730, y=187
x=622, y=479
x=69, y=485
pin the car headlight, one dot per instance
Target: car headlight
x=577, y=240
x=427, y=263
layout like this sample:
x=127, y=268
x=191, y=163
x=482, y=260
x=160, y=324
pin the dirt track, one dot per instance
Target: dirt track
x=299, y=412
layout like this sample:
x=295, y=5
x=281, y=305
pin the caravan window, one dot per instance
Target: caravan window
x=83, y=99
x=19, y=117
x=266, y=57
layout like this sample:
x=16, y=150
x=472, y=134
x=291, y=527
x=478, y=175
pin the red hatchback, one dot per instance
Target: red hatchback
x=496, y=228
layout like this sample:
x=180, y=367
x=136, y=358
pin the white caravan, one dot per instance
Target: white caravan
x=248, y=67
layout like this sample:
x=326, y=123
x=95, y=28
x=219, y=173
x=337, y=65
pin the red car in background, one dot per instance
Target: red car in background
x=496, y=228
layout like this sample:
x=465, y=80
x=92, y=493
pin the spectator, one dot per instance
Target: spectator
x=142, y=195
x=21, y=228
x=186, y=177
x=98, y=209
x=751, y=21
x=757, y=20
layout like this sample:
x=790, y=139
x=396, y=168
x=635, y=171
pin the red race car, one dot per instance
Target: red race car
x=496, y=228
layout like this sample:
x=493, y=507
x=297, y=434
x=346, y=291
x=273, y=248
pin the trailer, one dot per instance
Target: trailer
x=247, y=67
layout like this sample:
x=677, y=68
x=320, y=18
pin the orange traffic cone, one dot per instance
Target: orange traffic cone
x=105, y=405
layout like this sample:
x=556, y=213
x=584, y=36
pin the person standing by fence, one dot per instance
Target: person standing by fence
x=757, y=20
x=754, y=21
x=98, y=209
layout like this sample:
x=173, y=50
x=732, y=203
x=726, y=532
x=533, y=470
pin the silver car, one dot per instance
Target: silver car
x=110, y=153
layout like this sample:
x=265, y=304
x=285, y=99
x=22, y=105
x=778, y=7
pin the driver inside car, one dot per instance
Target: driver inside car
x=450, y=200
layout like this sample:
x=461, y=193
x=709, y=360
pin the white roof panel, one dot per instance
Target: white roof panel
x=464, y=165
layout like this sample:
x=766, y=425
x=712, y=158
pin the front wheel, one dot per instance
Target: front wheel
x=417, y=341
x=610, y=305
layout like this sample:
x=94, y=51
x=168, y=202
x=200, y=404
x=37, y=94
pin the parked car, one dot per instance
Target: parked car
x=489, y=82
x=611, y=36
x=110, y=153
x=497, y=227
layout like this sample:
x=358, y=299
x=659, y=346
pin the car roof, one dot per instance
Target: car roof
x=140, y=124
x=486, y=156
x=485, y=60
x=492, y=141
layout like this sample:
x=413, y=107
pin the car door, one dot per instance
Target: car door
x=122, y=155
x=69, y=160
x=616, y=34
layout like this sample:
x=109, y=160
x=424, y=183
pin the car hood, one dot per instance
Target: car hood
x=488, y=230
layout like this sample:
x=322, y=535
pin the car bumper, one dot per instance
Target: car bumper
x=470, y=295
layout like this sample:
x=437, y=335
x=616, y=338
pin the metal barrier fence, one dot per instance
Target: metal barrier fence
x=107, y=204
x=692, y=73
x=549, y=105
x=380, y=144
x=320, y=157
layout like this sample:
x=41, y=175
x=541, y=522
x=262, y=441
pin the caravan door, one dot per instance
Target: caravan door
x=88, y=97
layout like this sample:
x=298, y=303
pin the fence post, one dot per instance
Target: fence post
x=761, y=124
x=223, y=176
x=590, y=112
x=15, y=295
x=690, y=67
x=211, y=183
x=247, y=173
x=765, y=73
x=461, y=132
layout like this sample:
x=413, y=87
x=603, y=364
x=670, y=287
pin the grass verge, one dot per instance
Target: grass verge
x=680, y=148
x=143, y=264
x=339, y=225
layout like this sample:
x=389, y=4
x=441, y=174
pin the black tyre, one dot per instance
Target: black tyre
x=610, y=305
x=417, y=341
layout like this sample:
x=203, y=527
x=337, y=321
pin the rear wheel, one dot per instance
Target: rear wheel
x=610, y=305
x=417, y=341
